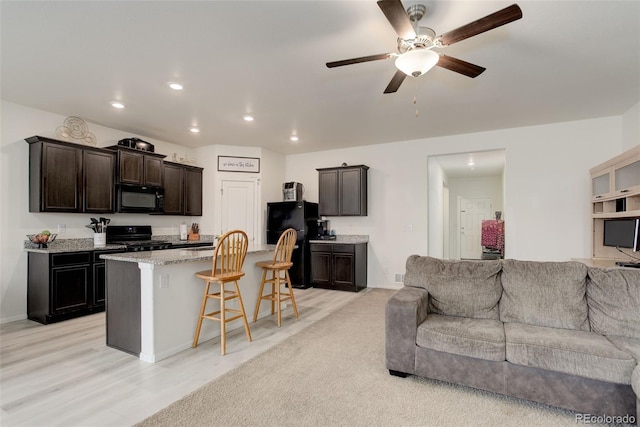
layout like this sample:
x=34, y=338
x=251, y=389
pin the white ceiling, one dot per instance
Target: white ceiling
x=473, y=164
x=563, y=61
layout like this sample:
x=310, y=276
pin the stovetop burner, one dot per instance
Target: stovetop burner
x=135, y=238
x=144, y=245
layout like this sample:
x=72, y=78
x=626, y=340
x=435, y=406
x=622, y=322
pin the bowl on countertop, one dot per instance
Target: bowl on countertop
x=41, y=239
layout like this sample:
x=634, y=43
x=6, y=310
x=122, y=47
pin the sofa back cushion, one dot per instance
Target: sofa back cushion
x=544, y=294
x=457, y=288
x=613, y=297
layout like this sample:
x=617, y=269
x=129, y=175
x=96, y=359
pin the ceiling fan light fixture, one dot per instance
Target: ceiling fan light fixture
x=417, y=62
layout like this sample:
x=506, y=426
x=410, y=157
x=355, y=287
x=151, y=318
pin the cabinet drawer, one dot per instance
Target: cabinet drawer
x=58, y=260
x=320, y=247
x=98, y=260
x=345, y=249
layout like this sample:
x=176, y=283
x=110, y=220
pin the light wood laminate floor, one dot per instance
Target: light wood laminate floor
x=64, y=374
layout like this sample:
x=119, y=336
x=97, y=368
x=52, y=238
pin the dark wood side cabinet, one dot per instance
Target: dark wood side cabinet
x=66, y=177
x=124, y=329
x=182, y=189
x=343, y=191
x=137, y=167
x=65, y=285
x=339, y=266
x=61, y=181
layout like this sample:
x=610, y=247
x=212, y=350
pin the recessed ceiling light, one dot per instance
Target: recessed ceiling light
x=248, y=118
x=194, y=130
x=117, y=104
x=175, y=86
x=294, y=138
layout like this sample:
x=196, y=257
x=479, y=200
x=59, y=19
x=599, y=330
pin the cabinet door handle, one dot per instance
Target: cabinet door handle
x=624, y=191
x=598, y=197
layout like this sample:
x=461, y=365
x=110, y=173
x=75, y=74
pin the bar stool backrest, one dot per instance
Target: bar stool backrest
x=285, y=245
x=230, y=252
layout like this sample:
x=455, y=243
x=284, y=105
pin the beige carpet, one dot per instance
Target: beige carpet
x=332, y=374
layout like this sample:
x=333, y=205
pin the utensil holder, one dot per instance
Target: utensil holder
x=99, y=239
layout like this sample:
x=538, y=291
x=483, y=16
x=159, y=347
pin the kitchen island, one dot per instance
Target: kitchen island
x=153, y=298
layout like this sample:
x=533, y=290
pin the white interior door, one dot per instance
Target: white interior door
x=239, y=207
x=472, y=212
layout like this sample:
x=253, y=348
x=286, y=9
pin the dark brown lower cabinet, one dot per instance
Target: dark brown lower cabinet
x=62, y=286
x=339, y=266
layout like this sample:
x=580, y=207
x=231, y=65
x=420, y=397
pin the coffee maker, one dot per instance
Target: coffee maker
x=323, y=230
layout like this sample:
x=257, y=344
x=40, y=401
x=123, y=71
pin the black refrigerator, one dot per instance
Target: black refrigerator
x=302, y=216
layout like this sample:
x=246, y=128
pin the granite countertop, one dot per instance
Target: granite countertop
x=81, y=245
x=344, y=238
x=177, y=256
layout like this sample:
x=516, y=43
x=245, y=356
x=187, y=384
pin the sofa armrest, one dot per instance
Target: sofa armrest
x=404, y=311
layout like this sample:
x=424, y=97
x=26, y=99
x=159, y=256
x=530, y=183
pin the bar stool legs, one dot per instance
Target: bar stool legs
x=276, y=296
x=221, y=315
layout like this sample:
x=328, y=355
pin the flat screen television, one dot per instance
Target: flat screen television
x=622, y=233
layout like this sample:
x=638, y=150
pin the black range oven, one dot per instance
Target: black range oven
x=135, y=238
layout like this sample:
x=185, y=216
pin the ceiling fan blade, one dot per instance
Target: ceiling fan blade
x=358, y=60
x=489, y=22
x=395, y=82
x=398, y=18
x=460, y=66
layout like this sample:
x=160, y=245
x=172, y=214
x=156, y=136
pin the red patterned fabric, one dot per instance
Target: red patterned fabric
x=493, y=234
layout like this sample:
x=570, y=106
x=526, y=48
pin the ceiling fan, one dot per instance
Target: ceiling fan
x=415, y=44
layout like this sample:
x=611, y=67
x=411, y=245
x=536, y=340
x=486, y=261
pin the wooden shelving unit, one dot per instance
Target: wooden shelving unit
x=615, y=194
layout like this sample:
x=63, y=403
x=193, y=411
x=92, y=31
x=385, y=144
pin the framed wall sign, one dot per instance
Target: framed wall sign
x=238, y=164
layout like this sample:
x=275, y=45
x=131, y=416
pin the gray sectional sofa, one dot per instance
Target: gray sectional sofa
x=558, y=333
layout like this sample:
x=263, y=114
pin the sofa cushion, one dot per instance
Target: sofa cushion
x=479, y=338
x=457, y=288
x=630, y=345
x=635, y=381
x=544, y=294
x=613, y=297
x=581, y=353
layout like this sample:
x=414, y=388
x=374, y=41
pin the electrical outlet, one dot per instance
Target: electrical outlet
x=164, y=280
x=399, y=278
x=62, y=228
x=407, y=227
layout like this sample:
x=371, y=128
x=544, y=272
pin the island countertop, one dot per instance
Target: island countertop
x=178, y=256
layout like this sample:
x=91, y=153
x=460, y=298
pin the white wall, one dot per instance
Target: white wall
x=631, y=127
x=547, y=189
x=437, y=181
x=268, y=183
x=19, y=122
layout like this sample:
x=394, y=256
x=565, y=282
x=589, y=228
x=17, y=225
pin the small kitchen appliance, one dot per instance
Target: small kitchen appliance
x=139, y=198
x=323, y=230
x=137, y=144
x=292, y=191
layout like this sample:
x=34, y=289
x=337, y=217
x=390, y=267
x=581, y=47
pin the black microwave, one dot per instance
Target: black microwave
x=140, y=199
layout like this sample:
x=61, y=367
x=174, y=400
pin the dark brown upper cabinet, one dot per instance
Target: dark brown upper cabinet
x=140, y=168
x=343, y=191
x=66, y=177
x=98, y=174
x=182, y=189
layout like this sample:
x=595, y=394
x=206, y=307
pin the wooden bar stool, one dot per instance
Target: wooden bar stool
x=279, y=268
x=228, y=259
